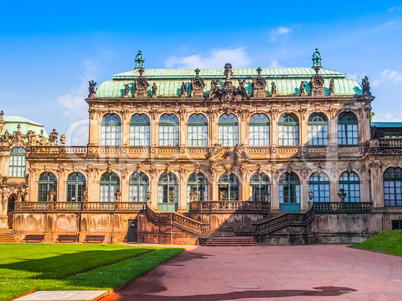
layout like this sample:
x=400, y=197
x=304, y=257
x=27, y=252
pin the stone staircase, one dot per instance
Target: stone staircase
x=6, y=236
x=230, y=242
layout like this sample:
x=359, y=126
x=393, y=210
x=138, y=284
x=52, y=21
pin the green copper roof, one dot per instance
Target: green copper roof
x=287, y=81
x=243, y=73
x=11, y=123
x=387, y=124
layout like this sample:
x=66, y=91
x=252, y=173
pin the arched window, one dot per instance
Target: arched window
x=350, y=182
x=75, y=185
x=288, y=129
x=17, y=162
x=229, y=187
x=168, y=130
x=197, y=187
x=318, y=129
x=259, y=188
x=139, y=130
x=347, y=129
x=228, y=130
x=110, y=130
x=289, y=192
x=47, y=181
x=168, y=192
x=259, y=130
x=197, y=130
x=138, y=186
x=109, y=182
x=393, y=187
x=319, y=183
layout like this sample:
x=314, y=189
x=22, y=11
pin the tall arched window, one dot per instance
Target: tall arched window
x=138, y=186
x=289, y=192
x=393, y=187
x=229, y=187
x=259, y=130
x=197, y=187
x=318, y=129
x=348, y=129
x=168, y=192
x=288, y=129
x=109, y=182
x=228, y=130
x=17, y=162
x=197, y=130
x=168, y=130
x=47, y=181
x=350, y=182
x=75, y=185
x=111, y=130
x=139, y=130
x=319, y=183
x=259, y=188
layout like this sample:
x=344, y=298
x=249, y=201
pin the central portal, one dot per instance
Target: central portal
x=229, y=188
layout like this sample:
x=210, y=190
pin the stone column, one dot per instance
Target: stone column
x=215, y=188
x=125, y=129
x=243, y=130
x=304, y=192
x=377, y=179
x=124, y=188
x=275, y=192
x=214, y=130
x=153, y=183
x=94, y=128
x=274, y=129
x=61, y=187
x=303, y=130
x=182, y=206
x=183, y=132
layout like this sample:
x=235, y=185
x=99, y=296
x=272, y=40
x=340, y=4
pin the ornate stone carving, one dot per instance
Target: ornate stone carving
x=259, y=84
x=53, y=138
x=6, y=136
x=197, y=85
x=51, y=193
x=18, y=138
x=154, y=89
x=197, y=168
x=183, y=90
x=273, y=89
x=228, y=168
x=366, y=86
x=85, y=196
x=42, y=139
x=302, y=89
x=126, y=90
x=217, y=153
x=317, y=84
x=109, y=168
x=117, y=194
x=141, y=85
x=63, y=139
x=91, y=88
x=241, y=90
x=331, y=87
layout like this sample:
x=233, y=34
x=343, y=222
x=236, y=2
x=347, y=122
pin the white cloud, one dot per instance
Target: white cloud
x=275, y=64
x=353, y=76
x=393, y=76
x=280, y=31
x=217, y=58
x=394, y=8
x=389, y=117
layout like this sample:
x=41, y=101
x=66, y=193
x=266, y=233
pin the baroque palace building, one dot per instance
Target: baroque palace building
x=284, y=155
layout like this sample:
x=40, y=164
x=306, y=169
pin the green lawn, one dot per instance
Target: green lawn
x=386, y=242
x=27, y=267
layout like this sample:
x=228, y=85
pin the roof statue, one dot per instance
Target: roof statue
x=197, y=85
x=316, y=59
x=259, y=84
x=366, y=86
x=139, y=61
x=91, y=88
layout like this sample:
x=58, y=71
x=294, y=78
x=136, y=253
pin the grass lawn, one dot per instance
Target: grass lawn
x=386, y=242
x=27, y=267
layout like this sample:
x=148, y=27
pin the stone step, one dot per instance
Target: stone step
x=230, y=241
x=7, y=237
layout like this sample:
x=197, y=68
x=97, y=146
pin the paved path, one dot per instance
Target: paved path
x=318, y=272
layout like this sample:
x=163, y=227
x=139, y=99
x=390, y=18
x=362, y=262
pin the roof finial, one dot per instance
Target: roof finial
x=1, y=114
x=18, y=127
x=139, y=60
x=316, y=60
x=197, y=71
x=258, y=70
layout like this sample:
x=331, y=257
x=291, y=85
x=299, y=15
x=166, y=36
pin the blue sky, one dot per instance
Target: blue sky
x=50, y=49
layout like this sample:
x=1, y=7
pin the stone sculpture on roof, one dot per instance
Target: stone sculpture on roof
x=154, y=89
x=366, y=86
x=273, y=89
x=331, y=87
x=241, y=90
x=183, y=89
x=141, y=85
x=197, y=85
x=92, y=85
x=259, y=84
x=139, y=61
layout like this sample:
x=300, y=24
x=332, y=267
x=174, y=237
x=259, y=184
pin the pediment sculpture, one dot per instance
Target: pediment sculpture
x=141, y=85
x=197, y=85
x=259, y=84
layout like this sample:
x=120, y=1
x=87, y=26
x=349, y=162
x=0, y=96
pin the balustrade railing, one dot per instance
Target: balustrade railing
x=230, y=206
x=390, y=143
x=80, y=206
x=342, y=207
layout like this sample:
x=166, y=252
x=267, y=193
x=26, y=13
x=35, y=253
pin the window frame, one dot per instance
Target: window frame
x=396, y=182
x=17, y=162
x=74, y=188
x=259, y=132
x=287, y=128
x=140, y=130
x=197, y=130
x=168, y=129
x=111, y=126
x=228, y=130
